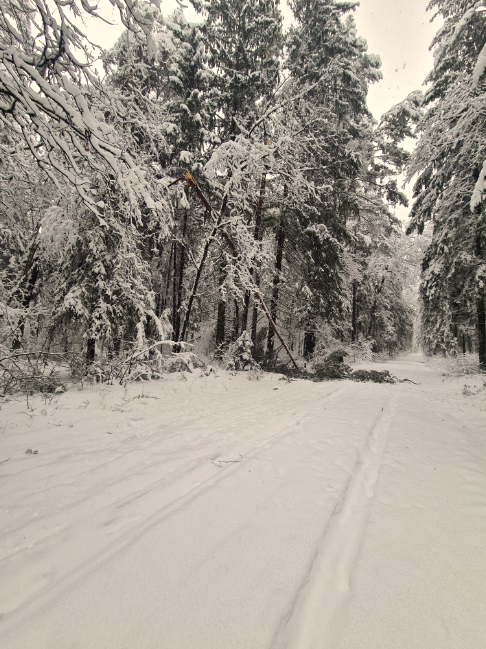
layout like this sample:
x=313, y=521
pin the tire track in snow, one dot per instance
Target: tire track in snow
x=313, y=619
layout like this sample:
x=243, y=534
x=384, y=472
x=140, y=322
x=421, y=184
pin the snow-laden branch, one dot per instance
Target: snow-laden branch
x=49, y=95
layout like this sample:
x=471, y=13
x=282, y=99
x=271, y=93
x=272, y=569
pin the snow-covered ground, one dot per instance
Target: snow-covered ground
x=219, y=512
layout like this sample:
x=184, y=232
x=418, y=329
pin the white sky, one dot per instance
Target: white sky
x=400, y=32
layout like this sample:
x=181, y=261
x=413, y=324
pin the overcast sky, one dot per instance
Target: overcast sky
x=400, y=32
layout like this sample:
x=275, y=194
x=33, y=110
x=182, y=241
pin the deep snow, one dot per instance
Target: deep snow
x=221, y=512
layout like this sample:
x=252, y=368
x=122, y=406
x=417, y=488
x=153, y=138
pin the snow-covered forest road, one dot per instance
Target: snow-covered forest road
x=219, y=512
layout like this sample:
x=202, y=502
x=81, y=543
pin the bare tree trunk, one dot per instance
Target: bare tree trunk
x=165, y=300
x=254, y=318
x=481, y=311
x=275, y=291
x=207, y=245
x=481, y=331
x=354, y=313
x=221, y=321
x=174, y=292
x=220, y=326
x=309, y=342
x=246, y=309
x=180, y=287
x=90, y=350
x=236, y=321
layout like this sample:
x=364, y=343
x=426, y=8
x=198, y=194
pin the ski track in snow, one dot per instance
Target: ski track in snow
x=203, y=478
x=230, y=513
x=313, y=620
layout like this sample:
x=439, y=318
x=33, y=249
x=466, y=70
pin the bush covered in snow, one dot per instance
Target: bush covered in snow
x=238, y=354
x=183, y=362
x=454, y=364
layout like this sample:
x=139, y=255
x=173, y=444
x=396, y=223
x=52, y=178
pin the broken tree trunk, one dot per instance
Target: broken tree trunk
x=217, y=228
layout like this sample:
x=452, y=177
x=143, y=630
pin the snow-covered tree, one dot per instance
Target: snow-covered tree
x=328, y=59
x=448, y=163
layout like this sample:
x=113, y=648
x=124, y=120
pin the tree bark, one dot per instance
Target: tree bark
x=246, y=309
x=180, y=287
x=236, y=321
x=481, y=308
x=90, y=350
x=220, y=326
x=354, y=313
x=254, y=317
x=309, y=343
x=275, y=290
x=207, y=245
x=174, y=292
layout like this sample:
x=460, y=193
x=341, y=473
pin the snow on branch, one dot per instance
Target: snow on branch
x=50, y=97
x=479, y=67
x=479, y=187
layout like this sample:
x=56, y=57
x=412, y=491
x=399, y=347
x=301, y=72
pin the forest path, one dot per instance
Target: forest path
x=222, y=512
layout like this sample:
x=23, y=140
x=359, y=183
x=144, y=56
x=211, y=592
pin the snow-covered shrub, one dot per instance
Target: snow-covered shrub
x=372, y=375
x=30, y=372
x=454, y=365
x=360, y=351
x=183, y=362
x=255, y=374
x=332, y=366
x=238, y=354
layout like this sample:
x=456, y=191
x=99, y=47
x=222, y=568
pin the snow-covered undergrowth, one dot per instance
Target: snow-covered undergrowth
x=454, y=365
x=216, y=511
x=356, y=352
